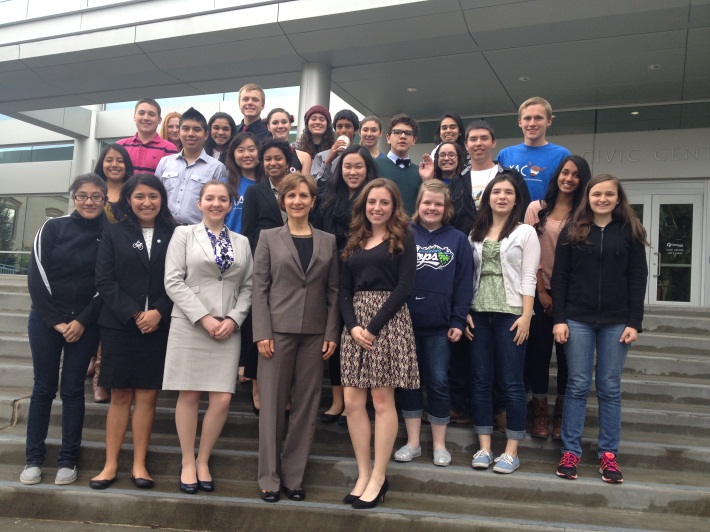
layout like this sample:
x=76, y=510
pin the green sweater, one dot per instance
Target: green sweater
x=407, y=179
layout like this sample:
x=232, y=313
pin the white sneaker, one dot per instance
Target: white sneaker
x=65, y=476
x=31, y=475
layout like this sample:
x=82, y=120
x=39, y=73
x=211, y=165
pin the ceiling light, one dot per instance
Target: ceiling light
x=654, y=66
x=411, y=89
x=524, y=78
x=634, y=113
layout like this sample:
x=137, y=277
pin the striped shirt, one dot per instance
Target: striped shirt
x=145, y=157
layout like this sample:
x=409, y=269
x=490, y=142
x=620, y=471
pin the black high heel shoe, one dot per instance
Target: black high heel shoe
x=190, y=489
x=350, y=498
x=329, y=418
x=360, y=504
x=253, y=407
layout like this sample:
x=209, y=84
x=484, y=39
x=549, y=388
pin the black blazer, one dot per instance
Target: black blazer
x=260, y=211
x=125, y=275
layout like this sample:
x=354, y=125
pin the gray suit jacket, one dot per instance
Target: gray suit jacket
x=195, y=283
x=285, y=299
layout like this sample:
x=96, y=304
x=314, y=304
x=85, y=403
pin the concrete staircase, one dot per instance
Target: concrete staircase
x=664, y=455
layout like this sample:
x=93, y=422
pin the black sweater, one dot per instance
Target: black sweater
x=61, y=273
x=603, y=282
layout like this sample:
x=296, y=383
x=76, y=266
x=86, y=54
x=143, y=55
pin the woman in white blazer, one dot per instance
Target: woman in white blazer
x=208, y=272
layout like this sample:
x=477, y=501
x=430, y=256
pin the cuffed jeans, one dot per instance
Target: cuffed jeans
x=47, y=345
x=434, y=357
x=611, y=356
x=493, y=352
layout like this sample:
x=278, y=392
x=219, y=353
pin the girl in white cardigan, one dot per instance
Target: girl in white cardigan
x=506, y=256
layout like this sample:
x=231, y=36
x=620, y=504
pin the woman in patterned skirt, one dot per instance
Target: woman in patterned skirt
x=378, y=349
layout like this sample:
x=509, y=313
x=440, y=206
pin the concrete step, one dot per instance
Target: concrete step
x=675, y=320
x=15, y=345
x=19, y=374
x=13, y=283
x=16, y=301
x=640, y=362
x=14, y=323
x=661, y=342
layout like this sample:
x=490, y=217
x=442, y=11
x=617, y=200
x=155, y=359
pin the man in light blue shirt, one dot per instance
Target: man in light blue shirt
x=184, y=173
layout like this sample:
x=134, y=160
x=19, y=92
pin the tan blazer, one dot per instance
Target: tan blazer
x=194, y=281
x=286, y=300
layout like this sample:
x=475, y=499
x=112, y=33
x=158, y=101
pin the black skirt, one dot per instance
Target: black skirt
x=131, y=359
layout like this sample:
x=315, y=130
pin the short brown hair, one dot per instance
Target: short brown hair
x=292, y=181
x=536, y=100
x=149, y=101
x=253, y=87
x=438, y=187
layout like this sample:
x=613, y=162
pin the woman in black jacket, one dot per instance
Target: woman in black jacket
x=134, y=320
x=63, y=319
x=598, y=286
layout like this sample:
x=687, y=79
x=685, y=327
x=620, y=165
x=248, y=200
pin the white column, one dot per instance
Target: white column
x=315, y=89
x=86, y=149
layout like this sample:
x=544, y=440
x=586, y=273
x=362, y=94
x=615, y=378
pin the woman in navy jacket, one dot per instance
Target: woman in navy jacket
x=598, y=286
x=134, y=320
x=63, y=319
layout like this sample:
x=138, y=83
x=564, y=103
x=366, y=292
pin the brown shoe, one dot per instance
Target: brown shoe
x=91, y=371
x=557, y=418
x=541, y=418
x=459, y=418
x=499, y=421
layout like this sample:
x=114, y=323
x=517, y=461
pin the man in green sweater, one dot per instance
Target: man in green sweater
x=401, y=136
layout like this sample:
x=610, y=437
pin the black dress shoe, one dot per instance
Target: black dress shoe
x=294, y=495
x=143, y=483
x=269, y=496
x=329, y=418
x=190, y=489
x=350, y=498
x=360, y=504
x=205, y=485
x=101, y=484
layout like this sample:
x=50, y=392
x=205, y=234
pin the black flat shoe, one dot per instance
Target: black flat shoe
x=205, y=485
x=190, y=489
x=101, y=484
x=329, y=418
x=143, y=483
x=360, y=504
x=269, y=496
x=350, y=498
x=294, y=495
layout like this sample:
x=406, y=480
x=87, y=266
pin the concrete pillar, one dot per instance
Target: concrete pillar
x=315, y=89
x=86, y=150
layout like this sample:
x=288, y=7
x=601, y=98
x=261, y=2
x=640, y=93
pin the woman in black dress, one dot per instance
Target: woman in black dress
x=134, y=320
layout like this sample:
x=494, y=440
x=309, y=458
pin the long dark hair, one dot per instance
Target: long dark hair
x=361, y=228
x=583, y=217
x=553, y=189
x=234, y=172
x=128, y=217
x=456, y=118
x=336, y=187
x=210, y=144
x=460, y=158
x=305, y=141
x=99, y=169
x=484, y=216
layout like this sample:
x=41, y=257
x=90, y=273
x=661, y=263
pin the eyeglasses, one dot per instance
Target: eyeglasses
x=400, y=132
x=81, y=197
x=447, y=156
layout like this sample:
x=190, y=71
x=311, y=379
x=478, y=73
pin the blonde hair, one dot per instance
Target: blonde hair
x=164, y=125
x=253, y=87
x=435, y=186
x=536, y=100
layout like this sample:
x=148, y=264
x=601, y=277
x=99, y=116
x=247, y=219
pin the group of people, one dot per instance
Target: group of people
x=219, y=245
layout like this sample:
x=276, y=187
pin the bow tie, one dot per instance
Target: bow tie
x=404, y=162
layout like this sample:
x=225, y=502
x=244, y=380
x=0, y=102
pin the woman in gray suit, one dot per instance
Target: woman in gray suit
x=296, y=326
x=208, y=272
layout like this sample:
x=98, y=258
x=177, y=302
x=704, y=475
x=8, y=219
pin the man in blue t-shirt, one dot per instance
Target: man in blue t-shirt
x=536, y=159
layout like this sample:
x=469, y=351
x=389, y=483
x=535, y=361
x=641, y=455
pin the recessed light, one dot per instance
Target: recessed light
x=411, y=89
x=654, y=66
x=634, y=113
x=524, y=78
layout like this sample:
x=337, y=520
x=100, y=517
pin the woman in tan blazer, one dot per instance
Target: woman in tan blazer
x=296, y=326
x=208, y=272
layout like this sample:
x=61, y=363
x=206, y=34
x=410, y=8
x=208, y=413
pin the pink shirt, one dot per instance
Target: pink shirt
x=548, y=239
x=145, y=157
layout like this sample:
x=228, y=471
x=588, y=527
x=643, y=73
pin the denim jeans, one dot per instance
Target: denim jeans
x=539, y=354
x=46, y=345
x=611, y=355
x=434, y=357
x=459, y=381
x=493, y=353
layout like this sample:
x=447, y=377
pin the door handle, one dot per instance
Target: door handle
x=658, y=264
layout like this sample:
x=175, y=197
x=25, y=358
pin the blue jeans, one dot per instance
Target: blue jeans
x=611, y=355
x=46, y=345
x=493, y=352
x=434, y=357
